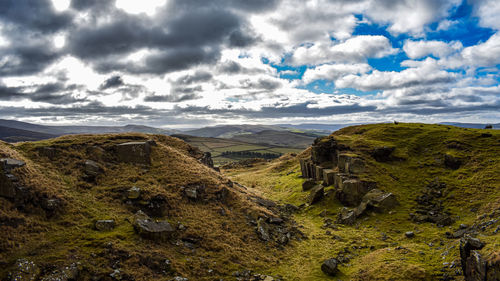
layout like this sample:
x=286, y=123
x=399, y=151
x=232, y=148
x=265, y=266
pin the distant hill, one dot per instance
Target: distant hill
x=12, y=130
x=229, y=131
x=325, y=128
x=278, y=138
x=15, y=135
x=471, y=125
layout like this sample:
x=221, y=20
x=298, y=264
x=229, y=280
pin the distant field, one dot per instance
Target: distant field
x=217, y=146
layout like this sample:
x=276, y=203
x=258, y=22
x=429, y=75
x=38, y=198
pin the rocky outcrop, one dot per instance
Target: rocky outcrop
x=150, y=229
x=134, y=152
x=206, y=159
x=324, y=150
x=8, y=182
x=475, y=267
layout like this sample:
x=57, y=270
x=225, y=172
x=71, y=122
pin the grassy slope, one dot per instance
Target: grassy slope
x=227, y=243
x=475, y=185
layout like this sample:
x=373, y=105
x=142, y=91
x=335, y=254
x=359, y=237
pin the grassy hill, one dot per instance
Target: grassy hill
x=72, y=186
x=278, y=138
x=229, y=131
x=15, y=135
x=376, y=247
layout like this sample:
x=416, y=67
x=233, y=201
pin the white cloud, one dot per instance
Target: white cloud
x=446, y=24
x=485, y=54
x=487, y=11
x=356, y=49
x=333, y=72
x=409, y=15
x=419, y=49
x=427, y=73
x=136, y=7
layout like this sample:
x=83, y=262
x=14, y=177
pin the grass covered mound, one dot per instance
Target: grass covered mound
x=456, y=170
x=75, y=204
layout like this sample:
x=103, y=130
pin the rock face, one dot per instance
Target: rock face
x=8, y=182
x=476, y=267
x=324, y=150
x=149, y=229
x=317, y=193
x=207, y=160
x=134, y=152
x=329, y=267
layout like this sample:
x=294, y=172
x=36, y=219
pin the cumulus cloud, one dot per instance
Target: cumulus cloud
x=419, y=49
x=356, y=49
x=333, y=72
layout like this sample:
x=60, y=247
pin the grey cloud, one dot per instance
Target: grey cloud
x=112, y=82
x=34, y=15
x=263, y=84
x=26, y=59
x=10, y=93
x=198, y=76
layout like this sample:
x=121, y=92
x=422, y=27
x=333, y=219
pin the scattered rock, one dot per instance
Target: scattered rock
x=179, y=278
x=308, y=184
x=430, y=207
x=377, y=201
x=25, y=270
x=410, y=234
x=105, y=225
x=48, y=152
x=263, y=230
x=317, y=193
x=329, y=267
x=91, y=170
x=149, y=229
x=134, y=152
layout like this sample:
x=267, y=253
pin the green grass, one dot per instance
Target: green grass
x=476, y=184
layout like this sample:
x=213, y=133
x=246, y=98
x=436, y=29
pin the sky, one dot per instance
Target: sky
x=188, y=63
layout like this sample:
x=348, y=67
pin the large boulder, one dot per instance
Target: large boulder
x=308, y=184
x=468, y=244
x=329, y=267
x=317, y=193
x=346, y=216
x=134, y=152
x=379, y=201
x=150, y=229
x=353, y=190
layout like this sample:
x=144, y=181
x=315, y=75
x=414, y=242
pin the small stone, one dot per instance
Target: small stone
x=150, y=229
x=105, y=225
x=329, y=267
x=25, y=270
x=410, y=234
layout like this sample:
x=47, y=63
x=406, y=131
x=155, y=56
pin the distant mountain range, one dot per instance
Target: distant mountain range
x=12, y=131
x=286, y=135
